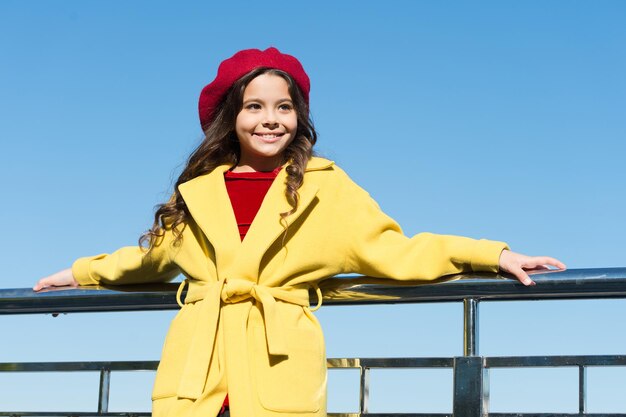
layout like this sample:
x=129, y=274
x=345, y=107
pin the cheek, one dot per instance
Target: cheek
x=244, y=124
x=240, y=130
x=239, y=122
x=293, y=124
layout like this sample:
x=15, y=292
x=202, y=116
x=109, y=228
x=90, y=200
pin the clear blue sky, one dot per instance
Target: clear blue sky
x=496, y=119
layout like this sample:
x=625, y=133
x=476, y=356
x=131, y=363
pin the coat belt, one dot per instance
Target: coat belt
x=232, y=290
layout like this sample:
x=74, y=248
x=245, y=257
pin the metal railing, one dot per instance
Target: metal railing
x=471, y=382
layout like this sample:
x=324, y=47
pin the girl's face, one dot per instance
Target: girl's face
x=266, y=124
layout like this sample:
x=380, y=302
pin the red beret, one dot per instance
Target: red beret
x=235, y=67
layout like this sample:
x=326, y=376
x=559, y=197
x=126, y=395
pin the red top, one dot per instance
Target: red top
x=247, y=191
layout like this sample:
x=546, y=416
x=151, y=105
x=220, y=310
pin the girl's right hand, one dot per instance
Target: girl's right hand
x=60, y=279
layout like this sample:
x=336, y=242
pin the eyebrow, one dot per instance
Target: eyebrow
x=262, y=101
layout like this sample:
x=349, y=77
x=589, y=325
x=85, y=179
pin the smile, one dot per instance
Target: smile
x=269, y=136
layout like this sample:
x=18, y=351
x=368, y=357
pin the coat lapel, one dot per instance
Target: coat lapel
x=208, y=202
x=267, y=226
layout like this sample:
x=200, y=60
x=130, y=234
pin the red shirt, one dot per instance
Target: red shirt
x=247, y=191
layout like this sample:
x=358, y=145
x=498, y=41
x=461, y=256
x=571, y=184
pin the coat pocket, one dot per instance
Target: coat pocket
x=294, y=383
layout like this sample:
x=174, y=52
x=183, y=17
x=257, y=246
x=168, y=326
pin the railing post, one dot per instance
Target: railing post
x=103, y=394
x=582, y=389
x=470, y=327
x=471, y=387
x=471, y=378
x=364, y=390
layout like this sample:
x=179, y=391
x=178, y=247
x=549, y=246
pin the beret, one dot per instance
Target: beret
x=235, y=67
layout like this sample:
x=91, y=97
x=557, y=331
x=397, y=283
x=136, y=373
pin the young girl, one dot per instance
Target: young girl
x=254, y=223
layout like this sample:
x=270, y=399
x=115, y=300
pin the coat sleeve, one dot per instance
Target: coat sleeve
x=128, y=265
x=378, y=248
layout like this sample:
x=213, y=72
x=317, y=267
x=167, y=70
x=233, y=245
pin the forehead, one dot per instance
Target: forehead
x=267, y=86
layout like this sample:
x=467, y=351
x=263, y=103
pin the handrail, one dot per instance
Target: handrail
x=470, y=371
x=350, y=290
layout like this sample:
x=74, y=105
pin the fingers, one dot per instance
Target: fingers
x=552, y=261
x=42, y=283
x=50, y=281
x=517, y=264
x=536, y=261
x=522, y=276
x=59, y=279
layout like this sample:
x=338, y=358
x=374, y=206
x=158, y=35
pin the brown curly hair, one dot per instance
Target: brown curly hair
x=221, y=146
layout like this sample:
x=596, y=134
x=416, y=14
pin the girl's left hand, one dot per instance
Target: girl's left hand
x=517, y=264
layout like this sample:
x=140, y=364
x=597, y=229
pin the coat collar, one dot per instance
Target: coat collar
x=209, y=204
x=318, y=164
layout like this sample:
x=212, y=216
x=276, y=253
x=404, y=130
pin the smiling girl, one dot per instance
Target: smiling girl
x=266, y=123
x=254, y=223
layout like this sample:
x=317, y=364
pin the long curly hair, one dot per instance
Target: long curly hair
x=221, y=146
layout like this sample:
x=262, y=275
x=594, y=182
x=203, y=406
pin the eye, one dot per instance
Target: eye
x=253, y=106
x=285, y=107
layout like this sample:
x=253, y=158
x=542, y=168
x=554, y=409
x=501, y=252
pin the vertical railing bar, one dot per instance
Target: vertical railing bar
x=471, y=387
x=103, y=394
x=470, y=327
x=486, y=388
x=364, y=392
x=582, y=389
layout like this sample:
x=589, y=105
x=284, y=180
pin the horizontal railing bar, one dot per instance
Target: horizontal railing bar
x=390, y=415
x=490, y=362
x=554, y=361
x=407, y=362
x=89, y=299
x=340, y=363
x=78, y=366
x=390, y=363
x=73, y=414
x=343, y=363
x=147, y=414
x=333, y=363
x=557, y=415
x=569, y=284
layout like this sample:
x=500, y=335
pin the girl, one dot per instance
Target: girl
x=256, y=221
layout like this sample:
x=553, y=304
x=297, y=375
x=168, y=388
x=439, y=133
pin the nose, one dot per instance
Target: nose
x=270, y=120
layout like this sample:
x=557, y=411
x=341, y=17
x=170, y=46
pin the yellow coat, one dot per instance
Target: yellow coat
x=246, y=327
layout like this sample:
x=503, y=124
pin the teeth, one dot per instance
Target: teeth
x=268, y=136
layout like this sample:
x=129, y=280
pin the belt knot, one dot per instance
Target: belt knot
x=233, y=290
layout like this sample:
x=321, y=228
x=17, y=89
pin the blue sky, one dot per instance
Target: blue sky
x=496, y=119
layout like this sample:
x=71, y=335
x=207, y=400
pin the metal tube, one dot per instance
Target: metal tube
x=470, y=327
x=570, y=284
x=103, y=394
x=471, y=387
x=364, y=391
x=582, y=389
